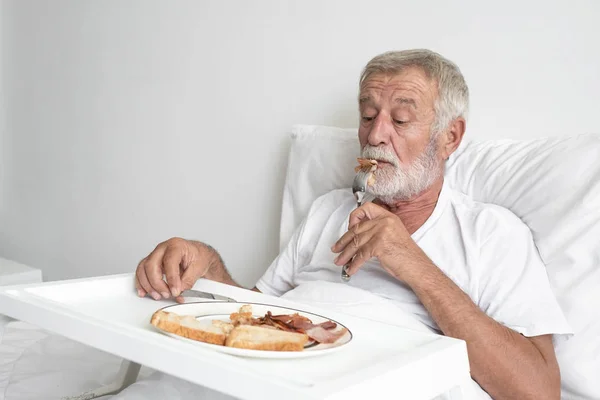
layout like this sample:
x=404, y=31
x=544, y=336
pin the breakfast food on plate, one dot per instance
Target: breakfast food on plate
x=189, y=327
x=226, y=327
x=322, y=333
x=259, y=338
x=368, y=166
x=290, y=332
x=243, y=316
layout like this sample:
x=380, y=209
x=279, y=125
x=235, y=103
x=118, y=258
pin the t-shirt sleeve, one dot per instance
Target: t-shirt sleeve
x=513, y=284
x=279, y=277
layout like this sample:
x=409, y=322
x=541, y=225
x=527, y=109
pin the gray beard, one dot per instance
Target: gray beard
x=393, y=184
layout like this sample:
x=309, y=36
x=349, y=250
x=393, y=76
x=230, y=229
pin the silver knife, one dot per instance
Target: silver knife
x=205, y=295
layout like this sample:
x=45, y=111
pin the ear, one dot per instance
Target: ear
x=452, y=137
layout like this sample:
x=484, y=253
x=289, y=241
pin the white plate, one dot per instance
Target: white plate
x=222, y=310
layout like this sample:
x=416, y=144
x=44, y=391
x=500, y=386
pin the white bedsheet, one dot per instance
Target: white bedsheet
x=38, y=365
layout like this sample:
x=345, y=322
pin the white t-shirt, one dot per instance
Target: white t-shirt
x=485, y=249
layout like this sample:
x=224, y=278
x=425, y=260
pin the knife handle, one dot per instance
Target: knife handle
x=345, y=276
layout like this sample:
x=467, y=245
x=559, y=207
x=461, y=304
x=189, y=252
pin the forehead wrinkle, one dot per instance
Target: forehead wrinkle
x=403, y=86
x=398, y=95
x=405, y=100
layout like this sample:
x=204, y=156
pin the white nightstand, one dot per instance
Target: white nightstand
x=13, y=273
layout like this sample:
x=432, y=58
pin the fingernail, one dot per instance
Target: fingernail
x=140, y=293
x=166, y=295
x=155, y=296
x=174, y=292
x=335, y=260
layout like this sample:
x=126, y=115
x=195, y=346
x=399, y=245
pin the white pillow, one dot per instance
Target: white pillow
x=321, y=159
x=552, y=184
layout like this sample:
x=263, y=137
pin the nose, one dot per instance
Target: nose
x=379, y=133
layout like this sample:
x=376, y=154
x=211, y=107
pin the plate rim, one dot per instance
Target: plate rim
x=263, y=352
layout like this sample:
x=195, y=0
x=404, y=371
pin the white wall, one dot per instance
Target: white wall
x=132, y=121
x=3, y=135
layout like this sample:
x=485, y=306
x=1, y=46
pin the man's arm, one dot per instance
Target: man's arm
x=505, y=363
x=219, y=273
x=182, y=262
x=216, y=271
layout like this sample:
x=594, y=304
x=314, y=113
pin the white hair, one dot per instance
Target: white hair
x=453, y=94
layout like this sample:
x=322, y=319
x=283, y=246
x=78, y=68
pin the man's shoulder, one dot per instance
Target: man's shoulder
x=488, y=217
x=329, y=209
x=332, y=200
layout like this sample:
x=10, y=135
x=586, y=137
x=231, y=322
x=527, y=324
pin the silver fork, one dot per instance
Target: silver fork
x=359, y=187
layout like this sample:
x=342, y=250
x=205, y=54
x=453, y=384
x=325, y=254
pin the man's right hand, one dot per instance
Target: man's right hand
x=182, y=261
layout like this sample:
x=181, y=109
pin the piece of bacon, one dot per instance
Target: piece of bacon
x=270, y=320
x=288, y=318
x=328, y=325
x=293, y=321
x=302, y=323
x=321, y=335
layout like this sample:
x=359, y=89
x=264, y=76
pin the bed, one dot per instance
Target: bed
x=552, y=184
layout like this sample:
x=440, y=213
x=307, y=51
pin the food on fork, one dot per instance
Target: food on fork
x=368, y=166
x=270, y=332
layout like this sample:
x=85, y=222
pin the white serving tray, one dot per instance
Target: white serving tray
x=381, y=360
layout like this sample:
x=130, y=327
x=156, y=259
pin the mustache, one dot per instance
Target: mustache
x=380, y=154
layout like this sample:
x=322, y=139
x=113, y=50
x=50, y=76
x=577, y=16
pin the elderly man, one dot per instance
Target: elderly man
x=466, y=269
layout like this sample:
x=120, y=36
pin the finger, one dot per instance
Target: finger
x=188, y=279
x=351, y=248
x=143, y=280
x=179, y=299
x=140, y=290
x=348, y=237
x=154, y=272
x=363, y=255
x=171, y=261
x=367, y=211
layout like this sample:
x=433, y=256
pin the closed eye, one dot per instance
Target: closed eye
x=368, y=119
x=398, y=122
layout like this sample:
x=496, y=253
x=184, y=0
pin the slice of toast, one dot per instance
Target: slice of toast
x=225, y=326
x=167, y=321
x=189, y=327
x=259, y=338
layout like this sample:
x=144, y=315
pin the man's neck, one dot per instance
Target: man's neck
x=414, y=212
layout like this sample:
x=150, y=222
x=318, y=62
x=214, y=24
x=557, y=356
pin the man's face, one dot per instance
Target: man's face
x=397, y=112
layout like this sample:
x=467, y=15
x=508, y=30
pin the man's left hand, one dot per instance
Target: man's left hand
x=373, y=231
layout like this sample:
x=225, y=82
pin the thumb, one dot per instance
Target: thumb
x=188, y=279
